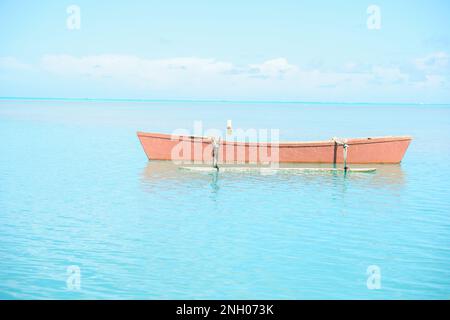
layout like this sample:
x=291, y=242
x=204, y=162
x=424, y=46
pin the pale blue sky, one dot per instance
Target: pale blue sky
x=237, y=50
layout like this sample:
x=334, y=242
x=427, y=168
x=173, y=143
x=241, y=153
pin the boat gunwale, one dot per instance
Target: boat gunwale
x=323, y=143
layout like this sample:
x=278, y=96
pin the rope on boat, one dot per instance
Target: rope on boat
x=215, y=152
x=343, y=143
x=345, y=146
x=216, y=147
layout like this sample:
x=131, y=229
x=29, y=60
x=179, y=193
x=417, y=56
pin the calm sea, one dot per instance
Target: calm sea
x=83, y=214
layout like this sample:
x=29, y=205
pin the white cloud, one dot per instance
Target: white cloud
x=147, y=73
x=123, y=65
x=437, y=62
x=211, y=78
x=273, y=68
x=391, y=75
x=433, y=71
x=432, y=81
x=191, y=71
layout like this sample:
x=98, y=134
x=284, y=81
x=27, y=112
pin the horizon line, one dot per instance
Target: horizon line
x=211, y=101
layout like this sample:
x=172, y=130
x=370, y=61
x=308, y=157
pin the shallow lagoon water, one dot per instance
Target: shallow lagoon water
x=77, y=189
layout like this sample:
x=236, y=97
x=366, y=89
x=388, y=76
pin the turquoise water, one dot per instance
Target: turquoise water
x=76, y=190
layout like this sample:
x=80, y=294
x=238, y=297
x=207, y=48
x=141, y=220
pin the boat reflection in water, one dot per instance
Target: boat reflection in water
x=160, y=175
x=165, y=175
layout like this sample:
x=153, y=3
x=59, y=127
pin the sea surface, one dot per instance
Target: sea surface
x=84, y=215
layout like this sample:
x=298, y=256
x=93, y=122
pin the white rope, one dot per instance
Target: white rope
x=343, y=143
x=215, y=151
x=340, y=141
x=345, y=146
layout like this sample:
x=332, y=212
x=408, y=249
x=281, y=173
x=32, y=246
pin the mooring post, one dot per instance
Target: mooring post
x=343, y=142
x=215, y=152
x=345, y=147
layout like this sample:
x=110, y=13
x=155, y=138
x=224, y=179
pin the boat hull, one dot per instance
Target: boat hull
x=159, y=146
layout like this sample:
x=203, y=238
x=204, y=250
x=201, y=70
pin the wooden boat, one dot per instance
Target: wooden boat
x=159, y=146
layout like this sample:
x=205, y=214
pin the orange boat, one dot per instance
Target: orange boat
x=159, y=146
